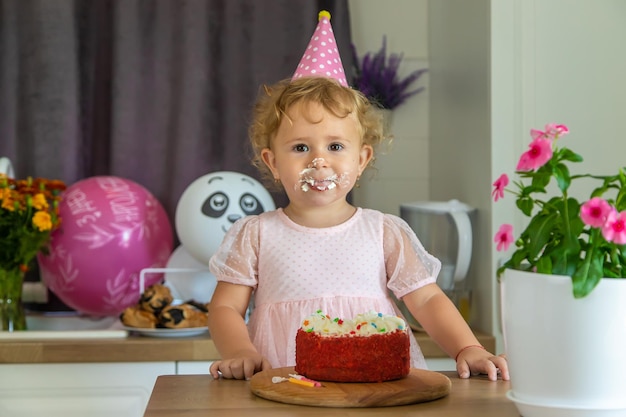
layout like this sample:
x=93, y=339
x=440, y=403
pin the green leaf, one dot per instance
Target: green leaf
x=541, y=179
x=563, y=180
x=563, y=262
x=588, y=275
x=525, y=204
x=544, y=265
x=620, y=200
x=516, y=260
x=608, y=273
x=568, y=155
x=538, y=233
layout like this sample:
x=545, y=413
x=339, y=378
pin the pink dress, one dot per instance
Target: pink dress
x=343, y=270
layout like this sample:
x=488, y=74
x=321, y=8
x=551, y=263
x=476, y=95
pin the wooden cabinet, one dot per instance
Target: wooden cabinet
x=91, y=377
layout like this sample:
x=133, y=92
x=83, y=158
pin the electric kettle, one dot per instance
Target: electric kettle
x=445, y=230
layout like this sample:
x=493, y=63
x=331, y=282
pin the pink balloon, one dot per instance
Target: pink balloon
x=111, y=229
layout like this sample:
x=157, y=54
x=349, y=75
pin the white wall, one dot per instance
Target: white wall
x=501, y=67
x=401, y=173
x=459, y=126
x=577, y=76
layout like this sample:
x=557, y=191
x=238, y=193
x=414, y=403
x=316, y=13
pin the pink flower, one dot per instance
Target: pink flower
x=614, y=230
x=539, y=153
x=552, y=131
x=504, y=237
x=595, y=211
x=499, y=186
x=538, y=134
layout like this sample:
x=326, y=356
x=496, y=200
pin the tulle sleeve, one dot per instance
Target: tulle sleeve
x=236, y=259
x=409, y=266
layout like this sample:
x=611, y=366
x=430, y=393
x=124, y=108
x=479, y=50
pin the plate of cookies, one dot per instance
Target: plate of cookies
x=158, y=314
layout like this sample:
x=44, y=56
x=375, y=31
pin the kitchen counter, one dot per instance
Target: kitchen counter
x=114, y=374
x=136, y=348
x=201, y=395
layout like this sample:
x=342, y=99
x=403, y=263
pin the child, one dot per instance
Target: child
x=315, y=137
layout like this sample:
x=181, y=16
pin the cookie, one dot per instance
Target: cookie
x=182, y=316
x=155, y=298
x=134, y=316
x=200, y=306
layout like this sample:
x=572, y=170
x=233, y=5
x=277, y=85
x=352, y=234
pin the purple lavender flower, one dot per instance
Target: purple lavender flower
x=376, y=76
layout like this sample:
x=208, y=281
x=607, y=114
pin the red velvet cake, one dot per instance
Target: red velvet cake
x=372, y=347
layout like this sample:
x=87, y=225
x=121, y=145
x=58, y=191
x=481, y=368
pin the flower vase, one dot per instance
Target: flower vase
x=566, y=355
x=12, y=315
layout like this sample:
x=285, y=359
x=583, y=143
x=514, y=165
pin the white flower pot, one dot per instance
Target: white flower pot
x=567, y=356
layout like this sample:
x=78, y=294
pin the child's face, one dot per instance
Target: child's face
x=317, y=163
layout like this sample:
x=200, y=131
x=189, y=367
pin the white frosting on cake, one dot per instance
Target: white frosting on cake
x=365, y=324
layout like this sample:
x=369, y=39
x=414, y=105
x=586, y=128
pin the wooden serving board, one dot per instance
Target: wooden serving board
x=419, y=386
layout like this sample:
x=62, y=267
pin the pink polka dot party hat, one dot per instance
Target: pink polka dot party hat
x=321, y=58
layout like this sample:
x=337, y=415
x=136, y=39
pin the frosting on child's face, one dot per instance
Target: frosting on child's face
x=320, y=177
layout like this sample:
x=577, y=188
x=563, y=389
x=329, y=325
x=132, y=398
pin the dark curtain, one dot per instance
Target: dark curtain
x=155, y=91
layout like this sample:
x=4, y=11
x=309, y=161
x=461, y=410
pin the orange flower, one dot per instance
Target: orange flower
x=42, y=221
x=29, y=212
x=40, y=202
x=7, y=201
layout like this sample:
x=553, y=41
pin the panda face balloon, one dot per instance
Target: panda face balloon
x=211, y=204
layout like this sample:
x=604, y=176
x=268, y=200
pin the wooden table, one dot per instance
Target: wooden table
x=200, y=395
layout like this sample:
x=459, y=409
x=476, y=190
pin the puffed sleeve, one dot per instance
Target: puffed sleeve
x=236, y=259
x=409, y=266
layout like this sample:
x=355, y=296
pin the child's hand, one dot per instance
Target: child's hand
x=241, y=367
x=476, y=360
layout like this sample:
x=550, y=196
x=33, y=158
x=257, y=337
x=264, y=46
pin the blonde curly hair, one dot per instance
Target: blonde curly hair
x=274, y=101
